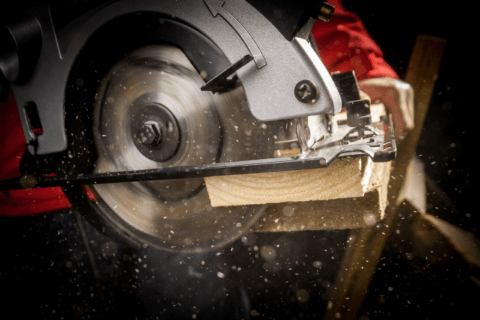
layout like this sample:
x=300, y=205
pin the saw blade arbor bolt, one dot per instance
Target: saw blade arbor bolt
x=150, y=133
x=306, y=92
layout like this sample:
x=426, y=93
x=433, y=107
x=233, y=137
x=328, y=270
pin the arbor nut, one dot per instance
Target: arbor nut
x=150, y=133
x=306, y=92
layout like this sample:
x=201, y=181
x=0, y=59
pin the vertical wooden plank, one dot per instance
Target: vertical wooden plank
x=422, y=73
x=366, y=245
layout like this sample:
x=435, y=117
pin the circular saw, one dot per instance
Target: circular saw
x=138, y=101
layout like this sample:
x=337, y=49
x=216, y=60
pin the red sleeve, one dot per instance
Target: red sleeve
x=344, y=44
x=12, y=145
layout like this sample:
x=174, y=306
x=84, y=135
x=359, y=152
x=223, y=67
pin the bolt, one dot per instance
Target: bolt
x=306, y=91
x=326, y=12
x=150, y=133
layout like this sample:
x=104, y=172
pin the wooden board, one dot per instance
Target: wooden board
x=335, y=214
x=343, y=178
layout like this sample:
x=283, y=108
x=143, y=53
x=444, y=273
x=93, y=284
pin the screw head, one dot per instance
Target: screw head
x=149, y=133
x=306, y=92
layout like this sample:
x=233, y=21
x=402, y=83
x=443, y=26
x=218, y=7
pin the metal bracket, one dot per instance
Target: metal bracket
x=221, y=83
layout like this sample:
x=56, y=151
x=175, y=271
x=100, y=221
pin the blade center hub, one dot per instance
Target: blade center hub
x=155, y=132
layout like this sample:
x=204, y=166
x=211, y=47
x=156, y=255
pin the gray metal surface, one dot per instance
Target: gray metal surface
x=216, y=8
x=269, y=90
x=175, y=214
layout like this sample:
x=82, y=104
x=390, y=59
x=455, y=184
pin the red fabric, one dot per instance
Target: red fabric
x=12, y=145
x=344, y=44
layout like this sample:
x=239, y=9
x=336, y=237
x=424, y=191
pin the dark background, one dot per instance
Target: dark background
x=57, y=266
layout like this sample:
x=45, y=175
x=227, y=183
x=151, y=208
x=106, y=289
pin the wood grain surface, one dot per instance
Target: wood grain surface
x=343, y=178
x=350, y=213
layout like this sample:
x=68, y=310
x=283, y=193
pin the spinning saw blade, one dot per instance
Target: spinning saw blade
x=150, y=113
